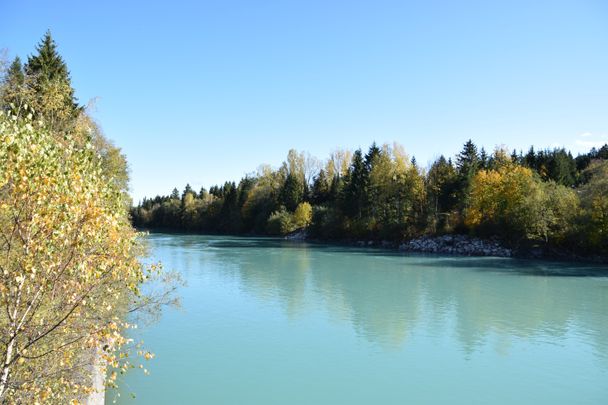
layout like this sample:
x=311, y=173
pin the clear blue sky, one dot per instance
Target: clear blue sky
x=205, y=91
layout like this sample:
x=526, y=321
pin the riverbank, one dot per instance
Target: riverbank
x=461, y=245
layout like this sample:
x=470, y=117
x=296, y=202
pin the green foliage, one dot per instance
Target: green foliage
x=292, y=192
x=385, y=195
x=467, y=164
x=48, y=70
x=354, y=192
x=442, y=186
x=281, y=222
x=594, y=201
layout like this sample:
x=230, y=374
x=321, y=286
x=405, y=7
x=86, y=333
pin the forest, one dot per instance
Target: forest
x=538, y=198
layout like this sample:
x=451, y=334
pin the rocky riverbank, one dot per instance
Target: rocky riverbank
x=462, y=245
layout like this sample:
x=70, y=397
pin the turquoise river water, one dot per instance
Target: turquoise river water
x=266, y=321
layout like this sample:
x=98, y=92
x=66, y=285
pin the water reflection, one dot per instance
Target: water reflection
x=386, y=297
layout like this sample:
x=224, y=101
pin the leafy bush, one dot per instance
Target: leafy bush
x=280, y=222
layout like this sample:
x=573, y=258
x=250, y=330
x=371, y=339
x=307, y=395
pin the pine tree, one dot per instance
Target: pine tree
x=467, y=164
x=48, y=70
x=355, y=183
x=47, y=64
x=441, y=185
x=187, y=190
x=467, y=160
x=530, y=158
x=13, y=82
x=320, y=188
x=292, y=192
x=515, y=157
x=370, y=158
x=483, y=159
x=15, y=72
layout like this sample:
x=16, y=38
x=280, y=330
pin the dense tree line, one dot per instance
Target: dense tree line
x=543, y=197
x=69, y=256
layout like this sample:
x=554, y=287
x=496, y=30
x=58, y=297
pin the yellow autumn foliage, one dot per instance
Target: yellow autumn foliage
x=68, y=263
x=512, y=200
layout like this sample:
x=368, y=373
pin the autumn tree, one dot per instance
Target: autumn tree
x=513, y=202
x=594, y=200
x=69, y=266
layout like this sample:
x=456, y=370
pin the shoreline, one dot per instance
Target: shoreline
x=459, y=245
x=441, y=245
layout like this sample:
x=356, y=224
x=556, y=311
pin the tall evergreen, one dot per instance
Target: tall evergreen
x=483, y=159
x=47, y=66
x=13, y=81
x=355, y=184
x=320, y=188
x=15, y=72
x=187, y=190
x=441, y=184
x=530, y=158
x=371, y=157
x=293, y=192
x=467, y=164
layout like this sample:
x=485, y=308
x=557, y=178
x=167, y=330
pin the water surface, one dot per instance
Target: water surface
x=273, y=322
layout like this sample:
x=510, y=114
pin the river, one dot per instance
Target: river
x=266, y=321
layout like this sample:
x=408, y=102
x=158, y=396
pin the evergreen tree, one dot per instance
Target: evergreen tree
x=441, y=181
x=15, y=72
x=13, y=82
x=320, y=188
x=370, y=158
x=47, y=64
x=355, y=183
x=187, y=190
x=467, y=161
x=467, y=164
x=292, y=192
x=483, y=159
x=49, y=71
x=175, y=194
x=530, y=158
x=561, y=167
x=514, y=157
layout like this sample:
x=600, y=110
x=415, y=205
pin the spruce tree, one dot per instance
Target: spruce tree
x=47, y=67
x=47, y=64
x=320, y=188
x=355, y=184
x=15, y=72
x=483, y=159
x=188, y=190
x=467, y=164
x=13, y=82
x=292, y=192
